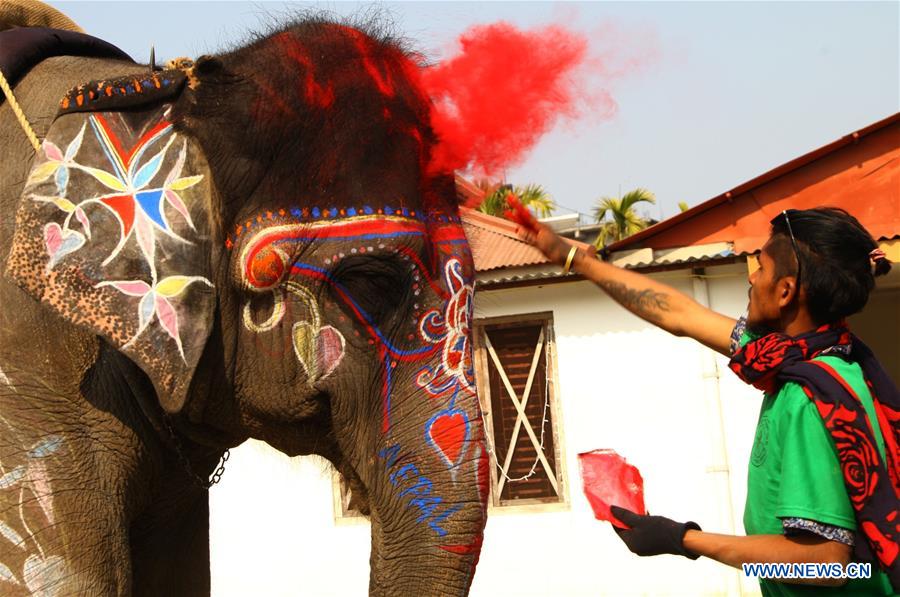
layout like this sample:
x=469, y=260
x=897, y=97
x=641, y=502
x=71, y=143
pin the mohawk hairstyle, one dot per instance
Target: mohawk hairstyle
x=330, y=110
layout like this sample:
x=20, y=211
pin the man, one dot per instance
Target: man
x=823, y=478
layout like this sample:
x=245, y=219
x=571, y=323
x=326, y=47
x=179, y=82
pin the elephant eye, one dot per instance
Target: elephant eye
x=379, y=285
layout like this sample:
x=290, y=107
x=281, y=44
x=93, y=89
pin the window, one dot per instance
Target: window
x=516, y=372
x=515, y=367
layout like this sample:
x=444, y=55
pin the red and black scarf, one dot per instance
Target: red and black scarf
x=872, y=485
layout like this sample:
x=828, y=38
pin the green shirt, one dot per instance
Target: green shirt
x=795, y=472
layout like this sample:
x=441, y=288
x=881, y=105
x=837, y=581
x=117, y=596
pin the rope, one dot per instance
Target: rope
x=17, y=110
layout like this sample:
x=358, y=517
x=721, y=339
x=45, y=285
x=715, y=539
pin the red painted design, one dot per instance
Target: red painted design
x=449, y=432
x=466, y=548
x=350, y=229
x=316, y=94
x=482, y=475
x=266, y=268
x=123, y=205
x=126, y=156
x=384, y=83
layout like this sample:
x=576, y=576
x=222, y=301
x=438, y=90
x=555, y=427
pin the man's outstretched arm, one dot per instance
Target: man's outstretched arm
x=650, y=300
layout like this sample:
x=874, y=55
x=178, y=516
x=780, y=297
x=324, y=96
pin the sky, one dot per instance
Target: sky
x=707, y=95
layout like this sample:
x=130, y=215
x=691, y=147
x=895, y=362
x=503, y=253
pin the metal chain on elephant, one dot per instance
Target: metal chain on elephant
x=200, y=481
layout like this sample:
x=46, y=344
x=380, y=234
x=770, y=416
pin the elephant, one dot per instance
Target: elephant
x=249, y=245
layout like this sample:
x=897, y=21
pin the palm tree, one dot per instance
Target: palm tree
x=532, y=196
x=624, y=220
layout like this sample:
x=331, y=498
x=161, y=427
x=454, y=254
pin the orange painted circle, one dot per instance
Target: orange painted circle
x=266, y=268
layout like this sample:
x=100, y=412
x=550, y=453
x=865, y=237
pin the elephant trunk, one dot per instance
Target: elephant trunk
x=427, y=535
x=404, y=564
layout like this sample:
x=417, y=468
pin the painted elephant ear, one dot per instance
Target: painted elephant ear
x=112, y=233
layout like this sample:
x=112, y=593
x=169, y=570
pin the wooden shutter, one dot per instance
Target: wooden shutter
x=516, y=363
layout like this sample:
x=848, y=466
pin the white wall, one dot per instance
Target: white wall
x=623, y=385
x=627, y=385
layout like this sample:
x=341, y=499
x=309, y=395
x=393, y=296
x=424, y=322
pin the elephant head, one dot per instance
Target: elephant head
x=265, y=223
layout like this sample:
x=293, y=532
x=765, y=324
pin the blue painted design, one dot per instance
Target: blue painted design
x=388, y=381
x=62, y=180
x=420, y=488
x=147, y=84
x=433, y=523
x=45, y=447
x=165, y=82
x=115, y=164
x=147, y=171
x=147, y=308
x=334, y=213
x=437, y=389
x=151, y=204
x=299, y=269
x=12, y=477
x=355, y=237
x=136, y=159
x=129, y=89
x=390, y=454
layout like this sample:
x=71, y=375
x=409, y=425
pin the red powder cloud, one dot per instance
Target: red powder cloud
x=505, y=88
x=501, y=93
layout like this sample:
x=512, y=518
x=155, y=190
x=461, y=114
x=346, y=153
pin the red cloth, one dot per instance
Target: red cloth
x=610, y=481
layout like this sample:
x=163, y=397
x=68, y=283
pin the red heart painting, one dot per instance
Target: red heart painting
x=448, y=432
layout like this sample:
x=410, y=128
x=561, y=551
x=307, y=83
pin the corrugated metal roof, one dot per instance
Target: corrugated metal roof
x=635, y=259
x=527, y=273
x=495, y=245
x=648, y=257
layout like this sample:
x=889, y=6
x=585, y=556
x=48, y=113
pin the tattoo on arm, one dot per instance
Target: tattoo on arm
x=644, y=303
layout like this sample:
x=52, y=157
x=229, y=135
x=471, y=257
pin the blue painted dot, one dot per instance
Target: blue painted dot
x=388, y=210
x=165, y=82
x=296, y=212
x=147, y=84
x=404, y=211
x=129, y=89
x=351, y=211
x=316, y=212
x=334, y=212
x=367, y=210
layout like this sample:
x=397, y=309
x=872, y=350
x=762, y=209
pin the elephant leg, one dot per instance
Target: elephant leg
x=170, y=544
x=62, y=528
x=67, y=452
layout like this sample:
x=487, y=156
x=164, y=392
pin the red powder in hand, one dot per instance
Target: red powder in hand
x=503, y=91
x=610, y=481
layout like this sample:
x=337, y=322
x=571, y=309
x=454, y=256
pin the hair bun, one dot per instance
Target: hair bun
x=882, y=265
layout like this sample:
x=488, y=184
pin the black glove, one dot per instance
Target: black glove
x=653, y=535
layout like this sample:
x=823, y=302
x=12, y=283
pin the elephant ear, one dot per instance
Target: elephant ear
x=113, y=232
